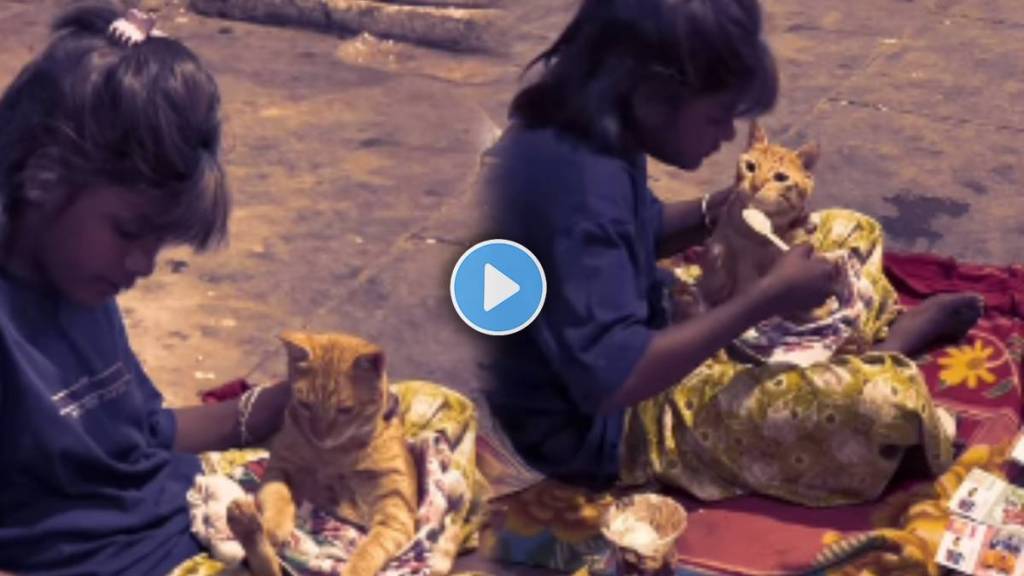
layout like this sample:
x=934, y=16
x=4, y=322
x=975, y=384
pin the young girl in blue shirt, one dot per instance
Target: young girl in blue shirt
x=600, y=389
x=109, y=151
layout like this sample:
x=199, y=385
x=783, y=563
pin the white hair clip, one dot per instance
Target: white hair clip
x=134, y=27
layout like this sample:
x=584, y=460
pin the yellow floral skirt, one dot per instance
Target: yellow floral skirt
x=828, y=434
x=423, y=407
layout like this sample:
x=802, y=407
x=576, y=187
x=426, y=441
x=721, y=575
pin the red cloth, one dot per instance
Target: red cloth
x=990, y=411
x=917, y=276
x=225, y=391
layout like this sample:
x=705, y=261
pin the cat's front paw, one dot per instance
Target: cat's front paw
x=247, y=526
x=441, y=564
x=278, y=512
x=244, y=521
x=278, y=525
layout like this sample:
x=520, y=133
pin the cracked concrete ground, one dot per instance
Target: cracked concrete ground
x=351, y=158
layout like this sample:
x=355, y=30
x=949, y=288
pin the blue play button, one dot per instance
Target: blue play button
x=498, y=287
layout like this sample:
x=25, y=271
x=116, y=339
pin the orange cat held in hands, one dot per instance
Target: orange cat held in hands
x=778, y=182
x=341, y=447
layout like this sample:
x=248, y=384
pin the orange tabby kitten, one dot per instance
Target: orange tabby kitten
x=775, y=180
x=341, y=446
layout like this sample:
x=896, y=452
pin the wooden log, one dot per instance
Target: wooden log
x=449, y=27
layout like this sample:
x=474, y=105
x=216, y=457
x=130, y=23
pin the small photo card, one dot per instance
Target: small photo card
x=977, y=495
x=962, y=544
x=1001, y=553
x=1008, y=510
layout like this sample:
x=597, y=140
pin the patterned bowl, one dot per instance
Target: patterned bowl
x=643, y=529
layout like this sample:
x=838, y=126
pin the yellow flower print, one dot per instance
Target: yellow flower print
x=200, y=565
x=967, y=364
x=229, y=462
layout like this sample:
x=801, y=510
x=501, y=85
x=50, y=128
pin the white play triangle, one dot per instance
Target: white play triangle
x=497, y=287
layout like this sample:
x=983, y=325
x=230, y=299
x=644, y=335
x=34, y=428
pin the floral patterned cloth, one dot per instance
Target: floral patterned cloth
x=979, y=378
x=827, y=434
x=440, y=426
x=836, y=326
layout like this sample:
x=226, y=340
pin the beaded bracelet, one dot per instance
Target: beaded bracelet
x=245, y=404
x=704, y=211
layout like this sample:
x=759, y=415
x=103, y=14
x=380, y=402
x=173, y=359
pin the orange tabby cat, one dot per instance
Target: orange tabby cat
x=775, y=180
x=341, y=446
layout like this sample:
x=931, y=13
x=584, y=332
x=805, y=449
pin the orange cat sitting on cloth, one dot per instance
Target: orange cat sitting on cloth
x=340, y=447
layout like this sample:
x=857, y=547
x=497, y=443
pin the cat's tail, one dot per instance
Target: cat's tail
x=846, y=550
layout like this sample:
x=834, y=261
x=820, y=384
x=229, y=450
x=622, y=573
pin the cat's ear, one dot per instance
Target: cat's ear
x=297, y=345
x=808, y=155
x=757, y=135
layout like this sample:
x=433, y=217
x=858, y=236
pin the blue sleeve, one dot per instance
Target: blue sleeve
x=162, y=423
x=656, y=216
x=5, y=372
x=587, y=218
x=593, y=327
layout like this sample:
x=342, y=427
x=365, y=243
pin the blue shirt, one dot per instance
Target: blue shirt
x=89, y=483
x=593, y=223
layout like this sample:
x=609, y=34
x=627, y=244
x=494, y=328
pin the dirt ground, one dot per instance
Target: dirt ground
x=350, y=161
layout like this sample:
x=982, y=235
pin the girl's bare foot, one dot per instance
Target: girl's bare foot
x=939, y=318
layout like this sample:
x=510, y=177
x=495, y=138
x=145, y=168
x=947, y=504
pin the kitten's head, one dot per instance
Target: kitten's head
x=339, y=390
x=776, y=180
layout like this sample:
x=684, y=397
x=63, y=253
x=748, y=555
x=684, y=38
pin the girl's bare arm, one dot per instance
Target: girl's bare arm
x=216, y=427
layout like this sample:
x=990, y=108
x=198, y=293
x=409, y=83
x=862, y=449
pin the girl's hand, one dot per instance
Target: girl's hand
x=800, y=281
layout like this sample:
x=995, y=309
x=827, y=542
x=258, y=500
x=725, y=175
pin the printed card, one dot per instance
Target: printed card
x=962, y=544
x=977, y=495
x=1001, y=553
x=1008, y=509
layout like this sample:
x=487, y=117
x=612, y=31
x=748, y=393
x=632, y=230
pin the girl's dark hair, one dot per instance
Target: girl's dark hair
x=91, y=110
x=610, y=46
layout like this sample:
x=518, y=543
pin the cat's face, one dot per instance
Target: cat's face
x=776, y=180
x=338, y=386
